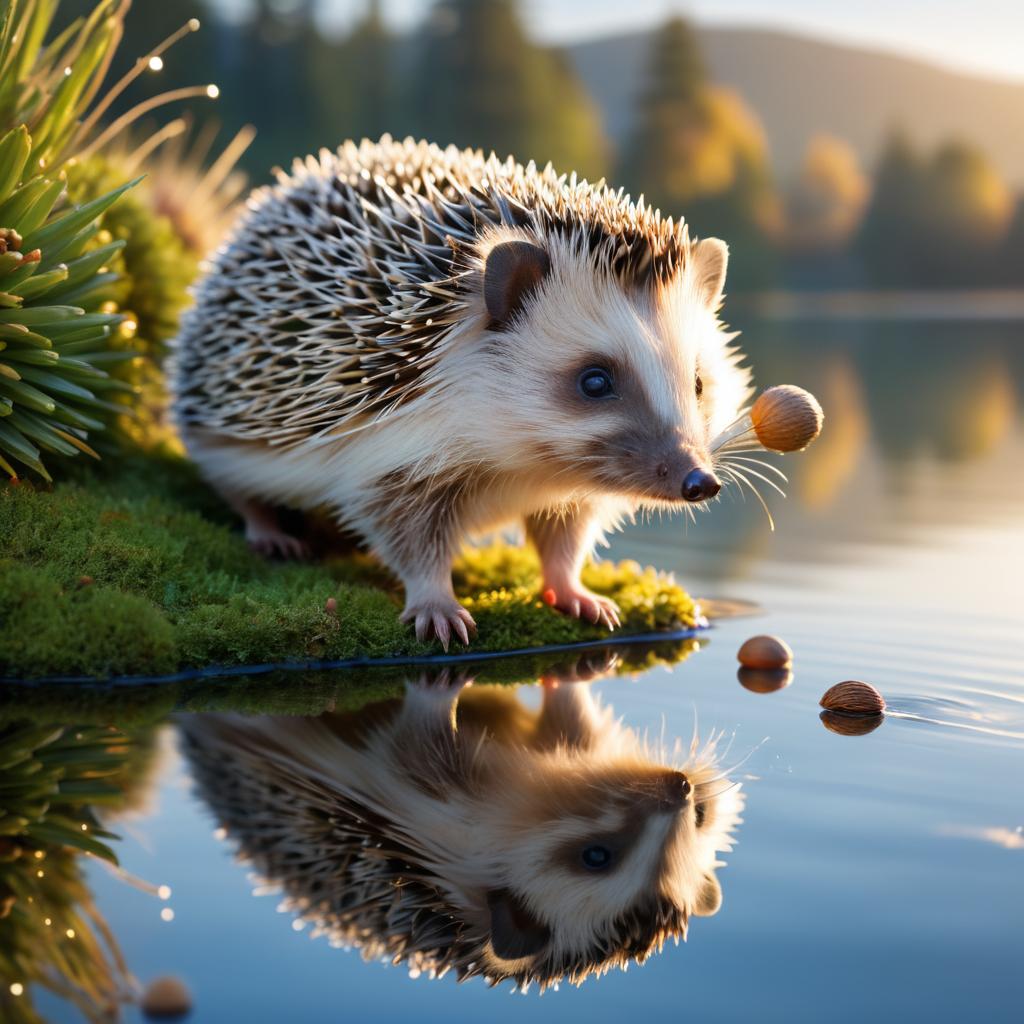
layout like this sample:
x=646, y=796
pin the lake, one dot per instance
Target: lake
x=873, y=876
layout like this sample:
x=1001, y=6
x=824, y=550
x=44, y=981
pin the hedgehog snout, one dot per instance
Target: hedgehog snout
x=700, y=485
x=691, y=474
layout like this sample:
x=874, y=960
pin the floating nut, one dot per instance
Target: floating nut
x=766, y=652
x=786, y=418
x=854, y=698
x=166, y=997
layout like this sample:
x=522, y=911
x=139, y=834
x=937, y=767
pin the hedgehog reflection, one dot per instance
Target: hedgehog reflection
x=458, y=830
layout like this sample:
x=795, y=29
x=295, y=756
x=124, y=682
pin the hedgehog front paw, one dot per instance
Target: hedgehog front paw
x=440, y=617
x=272, y=542
x=575, y=600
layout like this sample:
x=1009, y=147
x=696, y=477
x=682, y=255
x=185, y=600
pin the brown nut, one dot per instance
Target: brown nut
x=786, y=418
x=854, y=698
x=846, y=724
x=166, y=997
x=764, y=680
x=767, y=652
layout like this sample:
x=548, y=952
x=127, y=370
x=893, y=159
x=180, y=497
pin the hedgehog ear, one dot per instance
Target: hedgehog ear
x=710, y=258
x=515, y=932
x=709, y=899
x=512, y=273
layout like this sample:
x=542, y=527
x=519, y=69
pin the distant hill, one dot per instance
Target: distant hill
x=801, y=86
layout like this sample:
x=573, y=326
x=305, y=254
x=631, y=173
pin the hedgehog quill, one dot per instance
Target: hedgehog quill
x=434, y=343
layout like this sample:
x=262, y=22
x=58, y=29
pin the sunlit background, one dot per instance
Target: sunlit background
x=865, y=162
x=834, y=146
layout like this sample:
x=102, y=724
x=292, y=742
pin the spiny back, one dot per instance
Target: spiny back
x=334, y=296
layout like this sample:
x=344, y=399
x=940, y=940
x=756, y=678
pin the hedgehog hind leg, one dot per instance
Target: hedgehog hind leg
x=263, y=530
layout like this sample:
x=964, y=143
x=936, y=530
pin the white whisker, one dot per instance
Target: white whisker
x=757, y=494
x=764, y=479
x=758, y=462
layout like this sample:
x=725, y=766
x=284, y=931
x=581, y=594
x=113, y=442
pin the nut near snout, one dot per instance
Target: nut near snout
x=853, y=698
x=786, y=418
x=765, y=652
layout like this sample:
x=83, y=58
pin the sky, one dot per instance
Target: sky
x=980, y=36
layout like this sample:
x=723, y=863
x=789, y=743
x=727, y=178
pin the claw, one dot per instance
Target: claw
x=422, y=624
x=276, y=544
x=441, y=618
x=578, y=602
x=442, y=630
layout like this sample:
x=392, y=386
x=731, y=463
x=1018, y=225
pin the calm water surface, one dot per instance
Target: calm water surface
x=877, y=876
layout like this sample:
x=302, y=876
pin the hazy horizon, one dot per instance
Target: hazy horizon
x=986, y=42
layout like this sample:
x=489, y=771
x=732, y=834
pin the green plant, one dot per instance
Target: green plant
x=60, y=334
x=51, y=934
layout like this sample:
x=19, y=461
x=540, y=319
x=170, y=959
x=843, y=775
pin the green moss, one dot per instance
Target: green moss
x=58, y=631
x=145, y=573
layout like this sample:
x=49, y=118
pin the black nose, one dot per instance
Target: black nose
x=675, y=788
x=700, y=485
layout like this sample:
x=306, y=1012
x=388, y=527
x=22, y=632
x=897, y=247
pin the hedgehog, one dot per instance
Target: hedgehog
x=470, y=834
x=433, y=344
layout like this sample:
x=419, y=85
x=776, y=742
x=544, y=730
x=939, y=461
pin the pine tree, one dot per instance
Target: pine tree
x=935, y=222
x=357, y=81
x=698, y=152
x=887, y=239
x=1010, y=261
x=372, y=75
x=481, y=82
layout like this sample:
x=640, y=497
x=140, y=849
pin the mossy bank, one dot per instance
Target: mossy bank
x=144, y=573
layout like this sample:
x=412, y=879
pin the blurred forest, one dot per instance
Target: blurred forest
x=472, y=75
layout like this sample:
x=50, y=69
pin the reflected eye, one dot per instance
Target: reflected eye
x=596, y=858
x=699, y=386
x=596, y=382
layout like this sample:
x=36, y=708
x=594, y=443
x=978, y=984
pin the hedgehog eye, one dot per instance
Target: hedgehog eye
x=596, y=858
x=699, y=386
x=596, y=382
